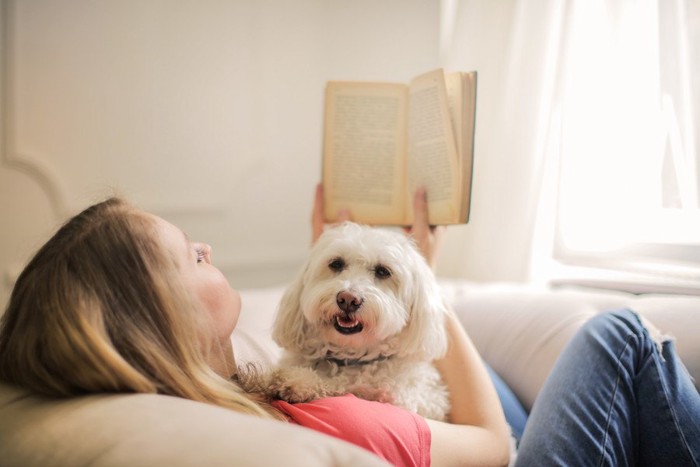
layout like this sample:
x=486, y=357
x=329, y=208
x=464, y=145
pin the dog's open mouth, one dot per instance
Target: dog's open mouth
x=347, y=324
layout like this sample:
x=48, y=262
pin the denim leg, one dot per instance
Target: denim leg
x=613, y=400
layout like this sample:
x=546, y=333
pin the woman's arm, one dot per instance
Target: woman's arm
x=477, y=433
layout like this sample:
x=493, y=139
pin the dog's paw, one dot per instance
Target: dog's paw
x=372, y=393
x=298, y=384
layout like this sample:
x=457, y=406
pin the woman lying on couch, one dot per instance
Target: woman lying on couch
x=119, y=300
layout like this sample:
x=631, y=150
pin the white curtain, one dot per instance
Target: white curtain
x=587, y=133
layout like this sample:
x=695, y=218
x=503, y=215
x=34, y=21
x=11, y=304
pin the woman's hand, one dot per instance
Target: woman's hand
x=428, y=238
x=318, y=224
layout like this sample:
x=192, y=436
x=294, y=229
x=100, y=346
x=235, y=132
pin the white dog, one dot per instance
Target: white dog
x=364, y=316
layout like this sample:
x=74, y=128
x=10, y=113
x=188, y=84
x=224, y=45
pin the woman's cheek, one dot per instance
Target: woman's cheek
x=224, y=305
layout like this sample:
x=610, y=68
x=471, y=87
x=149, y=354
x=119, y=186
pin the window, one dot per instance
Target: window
x=628, y=136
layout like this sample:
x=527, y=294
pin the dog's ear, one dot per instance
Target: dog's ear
x=425, y=334
x=288, y=328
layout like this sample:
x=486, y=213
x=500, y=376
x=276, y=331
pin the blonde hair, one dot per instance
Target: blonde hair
x=100, y=308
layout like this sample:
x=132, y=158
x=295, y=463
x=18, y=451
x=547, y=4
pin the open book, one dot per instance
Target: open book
x=382, y=141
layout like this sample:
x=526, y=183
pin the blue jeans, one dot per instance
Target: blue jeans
x=613, y=399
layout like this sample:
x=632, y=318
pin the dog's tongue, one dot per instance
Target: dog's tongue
x=347, y=321
x=347, y=324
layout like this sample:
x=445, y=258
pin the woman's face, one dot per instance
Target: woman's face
x=205, y=281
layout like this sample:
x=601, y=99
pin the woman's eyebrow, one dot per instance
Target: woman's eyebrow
x=188, y=242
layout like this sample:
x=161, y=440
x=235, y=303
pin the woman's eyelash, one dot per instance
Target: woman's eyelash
x=201, y=254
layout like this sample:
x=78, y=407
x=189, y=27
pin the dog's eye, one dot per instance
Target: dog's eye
x=337, y=265
x=382, y=272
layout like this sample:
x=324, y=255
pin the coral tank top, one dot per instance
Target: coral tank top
x=392, y=433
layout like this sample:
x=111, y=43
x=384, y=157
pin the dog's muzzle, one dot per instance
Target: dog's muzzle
x=346, y=322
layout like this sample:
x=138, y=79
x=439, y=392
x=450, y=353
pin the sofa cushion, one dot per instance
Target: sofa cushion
x=252, y=338
x=148, y=430
x=521, y=329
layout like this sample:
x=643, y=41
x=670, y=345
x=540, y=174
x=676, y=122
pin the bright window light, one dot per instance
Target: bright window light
x=629, y=164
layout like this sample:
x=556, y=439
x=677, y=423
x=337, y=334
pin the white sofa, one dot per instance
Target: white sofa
x=519, y=330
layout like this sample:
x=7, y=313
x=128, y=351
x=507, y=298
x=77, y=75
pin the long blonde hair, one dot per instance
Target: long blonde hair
x=100, y=308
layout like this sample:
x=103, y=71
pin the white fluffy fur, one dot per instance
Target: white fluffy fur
x=402, y=318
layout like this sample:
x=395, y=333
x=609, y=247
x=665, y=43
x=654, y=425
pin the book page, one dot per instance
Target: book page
x=461, y=97
x=433, y=161
x=454, y=85
x=364, y=147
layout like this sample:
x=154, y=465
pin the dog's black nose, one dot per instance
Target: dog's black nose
x=348, y=301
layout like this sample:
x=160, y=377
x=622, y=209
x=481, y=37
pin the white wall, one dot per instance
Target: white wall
x=205, y=112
